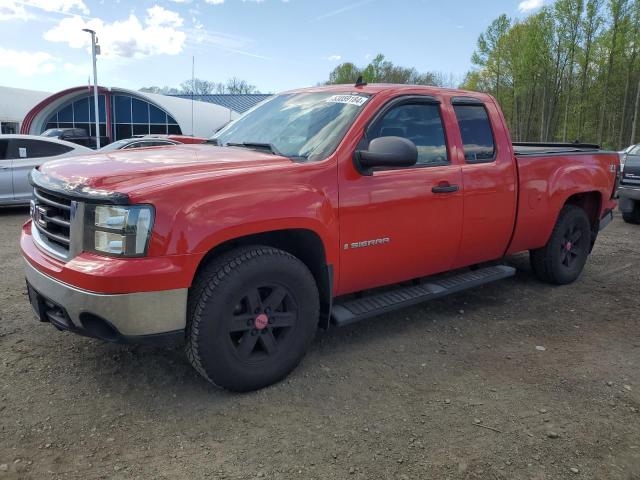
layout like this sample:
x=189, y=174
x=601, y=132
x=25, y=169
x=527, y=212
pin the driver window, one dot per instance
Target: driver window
x=422, y=124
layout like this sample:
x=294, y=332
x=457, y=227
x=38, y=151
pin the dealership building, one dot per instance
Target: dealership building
x=122, y=113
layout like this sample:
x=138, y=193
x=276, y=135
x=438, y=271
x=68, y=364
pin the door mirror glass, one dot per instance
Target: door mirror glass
x=386, y=152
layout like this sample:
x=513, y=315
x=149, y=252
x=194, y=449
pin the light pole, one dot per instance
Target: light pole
x=94, y=53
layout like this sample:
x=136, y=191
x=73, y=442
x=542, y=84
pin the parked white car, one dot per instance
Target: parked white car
x=19, y=154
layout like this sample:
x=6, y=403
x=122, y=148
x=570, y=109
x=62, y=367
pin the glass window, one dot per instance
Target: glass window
x=157, y=129
x=103, y=113
x=81, y=110
x=170, y=119
x=66, y=114
x=422, y=124
x=53, y=120
x=140, y=111
x=307, y=125
x=477, y=136
x=37, y=148
x=141, y=129
x=174, y=130
x=123, y=130
x=157, y=115
x=122, y=109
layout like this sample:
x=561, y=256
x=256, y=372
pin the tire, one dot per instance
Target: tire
x=252, y=315
x=563, y=258
x=633, y=216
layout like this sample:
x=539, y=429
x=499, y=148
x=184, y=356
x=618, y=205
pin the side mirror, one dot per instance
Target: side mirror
x=391, y=152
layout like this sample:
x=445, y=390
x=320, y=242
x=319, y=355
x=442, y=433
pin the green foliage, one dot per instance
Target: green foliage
x=381, y=70
x=568, y=72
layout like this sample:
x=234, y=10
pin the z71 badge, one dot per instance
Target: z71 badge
x=367, y=243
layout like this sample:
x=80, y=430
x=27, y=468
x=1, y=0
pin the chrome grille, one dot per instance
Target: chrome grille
x=51, y=215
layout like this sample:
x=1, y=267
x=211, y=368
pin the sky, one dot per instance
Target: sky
x=273, y=44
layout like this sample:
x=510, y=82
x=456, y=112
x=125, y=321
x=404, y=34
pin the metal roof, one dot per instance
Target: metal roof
x=237, y=102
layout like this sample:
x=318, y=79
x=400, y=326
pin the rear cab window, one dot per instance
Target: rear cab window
x=476, y=132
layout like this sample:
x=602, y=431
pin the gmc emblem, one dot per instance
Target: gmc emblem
x=38, y=216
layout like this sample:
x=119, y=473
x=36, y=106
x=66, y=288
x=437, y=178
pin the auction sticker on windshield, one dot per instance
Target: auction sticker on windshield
x=348, y=99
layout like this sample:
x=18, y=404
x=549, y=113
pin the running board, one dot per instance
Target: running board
x=354, y=310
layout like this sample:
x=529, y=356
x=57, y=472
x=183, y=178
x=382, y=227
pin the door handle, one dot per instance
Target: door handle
x=445, y=187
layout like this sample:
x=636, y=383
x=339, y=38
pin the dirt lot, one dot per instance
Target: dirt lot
x=403, y=396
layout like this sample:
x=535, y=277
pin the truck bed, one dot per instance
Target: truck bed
x=547, y=173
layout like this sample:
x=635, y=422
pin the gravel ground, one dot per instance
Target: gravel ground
x=516, y=380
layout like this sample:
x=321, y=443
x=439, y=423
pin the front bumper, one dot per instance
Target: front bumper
x=627, y=197
x=128, y=317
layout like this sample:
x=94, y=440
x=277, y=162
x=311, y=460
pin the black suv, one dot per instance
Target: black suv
x=74, y=135
x=629, y=191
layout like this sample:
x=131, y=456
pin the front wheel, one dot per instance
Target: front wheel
x=563, y=258
x=252, y=315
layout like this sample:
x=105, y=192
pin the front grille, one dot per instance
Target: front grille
x=51, y=215
x=631, y=180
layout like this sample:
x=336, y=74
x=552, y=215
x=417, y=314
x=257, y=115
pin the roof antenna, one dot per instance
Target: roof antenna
x=360, y=82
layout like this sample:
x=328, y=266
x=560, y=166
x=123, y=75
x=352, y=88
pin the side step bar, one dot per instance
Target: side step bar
x=354, y=310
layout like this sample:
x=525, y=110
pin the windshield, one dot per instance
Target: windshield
x=116, y=145
x=306, y=126
x=52, y=132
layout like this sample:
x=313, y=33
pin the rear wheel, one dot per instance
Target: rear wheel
x=252, y=315
x=563, y=258
x=634, y=215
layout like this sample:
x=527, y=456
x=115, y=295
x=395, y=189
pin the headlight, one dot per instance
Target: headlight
x=122, y=231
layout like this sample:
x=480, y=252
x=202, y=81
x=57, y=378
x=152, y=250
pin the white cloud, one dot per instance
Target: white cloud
x=27, y=64
x=214, y=2
x=10, y=10
x=22, y=9
x=157, y=34
x=65, y=6
x=334, y=58
x=528, y=5
x=158, y=16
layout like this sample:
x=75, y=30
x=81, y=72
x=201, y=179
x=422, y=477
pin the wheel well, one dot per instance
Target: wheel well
x=303, y=244
x=590, y=202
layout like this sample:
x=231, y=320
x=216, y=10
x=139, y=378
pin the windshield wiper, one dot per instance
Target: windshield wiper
x=212, y=141
x=264, y=146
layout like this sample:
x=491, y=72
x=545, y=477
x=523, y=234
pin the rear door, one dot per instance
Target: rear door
x=26, y=154
x=6, y=186
x=402, y=223
x=490, y=181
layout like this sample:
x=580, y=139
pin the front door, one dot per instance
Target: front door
x=403, y=223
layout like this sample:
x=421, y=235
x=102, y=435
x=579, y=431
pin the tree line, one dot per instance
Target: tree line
x=381, y=70
x=198, y=86
x=569, y=72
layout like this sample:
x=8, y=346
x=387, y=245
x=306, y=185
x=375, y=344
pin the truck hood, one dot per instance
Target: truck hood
x=136, y=170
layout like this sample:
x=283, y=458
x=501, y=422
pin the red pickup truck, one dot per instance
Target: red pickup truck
x=320, y=206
